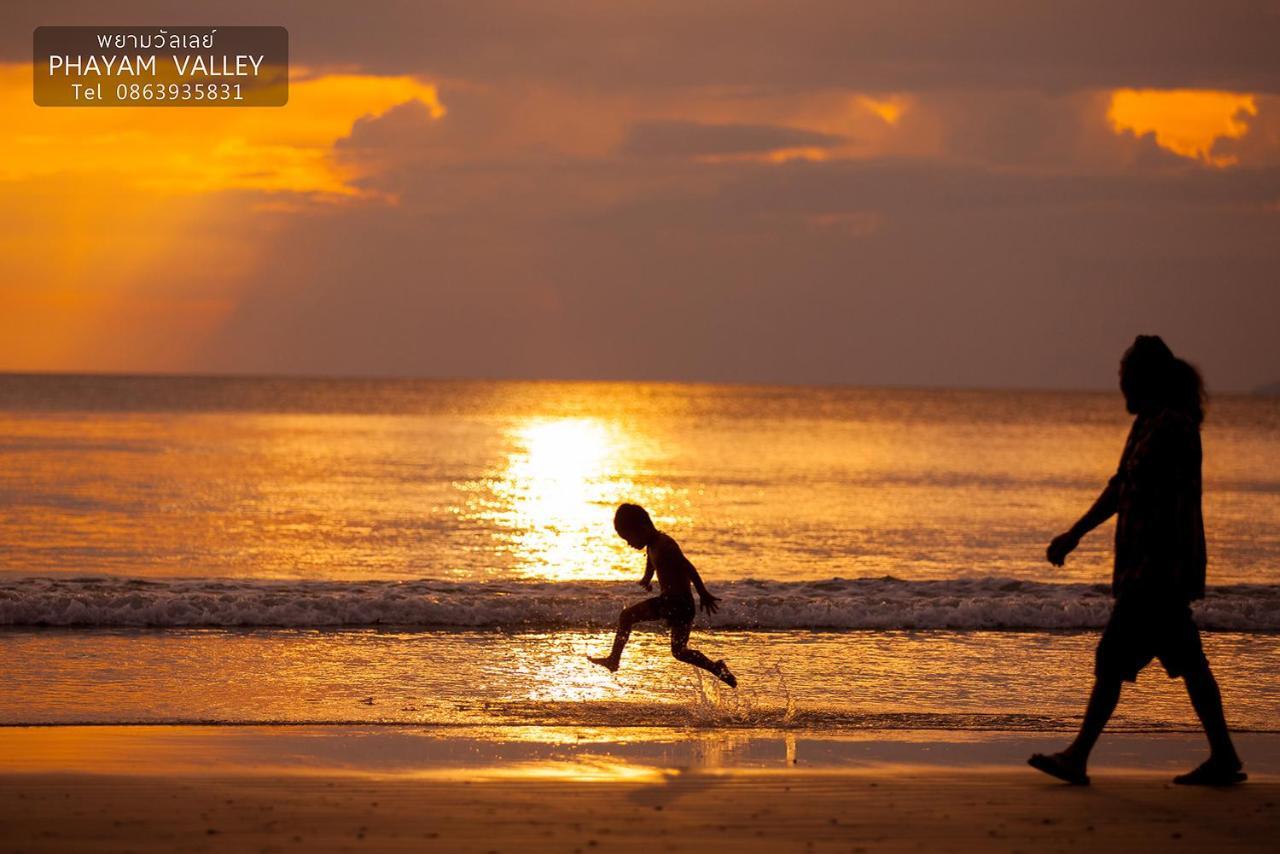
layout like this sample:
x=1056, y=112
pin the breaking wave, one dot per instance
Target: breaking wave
x=836, y=604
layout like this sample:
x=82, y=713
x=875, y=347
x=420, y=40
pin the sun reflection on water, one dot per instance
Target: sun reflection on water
x=557, y=671
x=561, y=480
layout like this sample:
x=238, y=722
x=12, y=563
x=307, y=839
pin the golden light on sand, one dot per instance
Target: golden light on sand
x=1185, y=121
x=560, y=480
x=589, y=770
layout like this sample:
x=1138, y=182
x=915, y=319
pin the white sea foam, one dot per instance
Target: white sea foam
x=862, y=603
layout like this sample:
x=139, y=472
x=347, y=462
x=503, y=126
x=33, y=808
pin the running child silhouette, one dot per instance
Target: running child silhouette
x=674, y=604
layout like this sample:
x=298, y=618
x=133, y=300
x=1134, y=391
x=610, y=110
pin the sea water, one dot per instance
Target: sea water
x=221, y=550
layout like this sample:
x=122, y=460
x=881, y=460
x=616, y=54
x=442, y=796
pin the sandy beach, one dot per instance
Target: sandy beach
x=838, y=811
x=945, y=800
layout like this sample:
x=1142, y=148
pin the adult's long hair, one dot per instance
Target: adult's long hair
x=1152, y=377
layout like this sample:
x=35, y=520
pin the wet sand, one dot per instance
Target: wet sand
x=283, y=789
x=857, y=810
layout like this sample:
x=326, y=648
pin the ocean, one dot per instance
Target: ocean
x=323, y=551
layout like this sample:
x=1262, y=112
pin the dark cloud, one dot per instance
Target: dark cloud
x=1028, y=129
x=953, y=276
x=912, y=185
x=402, y=124
x=1261, y=143
x=874, y=45
x=697, y=139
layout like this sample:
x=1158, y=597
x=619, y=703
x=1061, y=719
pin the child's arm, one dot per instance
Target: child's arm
x=647, y=581
x=709, y=603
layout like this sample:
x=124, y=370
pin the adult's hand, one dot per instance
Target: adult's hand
x=1062, y=545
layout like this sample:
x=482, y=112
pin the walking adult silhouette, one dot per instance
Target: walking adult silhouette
x=1159, y=561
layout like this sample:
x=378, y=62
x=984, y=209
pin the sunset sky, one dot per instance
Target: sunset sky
x=974, y=193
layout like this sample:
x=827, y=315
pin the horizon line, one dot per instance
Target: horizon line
x=1258, y=391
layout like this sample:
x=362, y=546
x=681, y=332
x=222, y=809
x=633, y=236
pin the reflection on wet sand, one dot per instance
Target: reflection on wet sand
x=647, y=754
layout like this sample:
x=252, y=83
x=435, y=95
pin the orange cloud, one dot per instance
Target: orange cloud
x=125, y=234
x=206, y=149
x=889, y=109
x=1185, y=121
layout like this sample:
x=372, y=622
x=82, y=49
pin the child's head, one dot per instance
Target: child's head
x=633, y=524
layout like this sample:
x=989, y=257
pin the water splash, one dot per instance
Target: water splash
x=758, y=703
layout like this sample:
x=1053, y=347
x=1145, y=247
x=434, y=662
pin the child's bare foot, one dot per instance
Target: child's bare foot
x=723, y=673
x=606, y=661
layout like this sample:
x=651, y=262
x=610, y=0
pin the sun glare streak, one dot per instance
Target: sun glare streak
x=124, y=231
x=1186, y=122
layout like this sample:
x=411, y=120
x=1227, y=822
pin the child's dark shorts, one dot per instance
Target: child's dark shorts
x=1141, y=629
x=675, y=609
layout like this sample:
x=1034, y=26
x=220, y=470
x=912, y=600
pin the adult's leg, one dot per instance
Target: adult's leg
x=1072, y=764
x=1183, y=655
x=1102, y=703
x=1123, y=651
x=638, y=613
x=1206, y=698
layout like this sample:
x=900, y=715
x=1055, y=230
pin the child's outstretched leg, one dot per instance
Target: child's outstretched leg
x=680, y=649
x=638, y=613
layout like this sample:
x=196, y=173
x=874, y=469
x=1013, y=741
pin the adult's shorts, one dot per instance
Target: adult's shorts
x=1142, y=629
